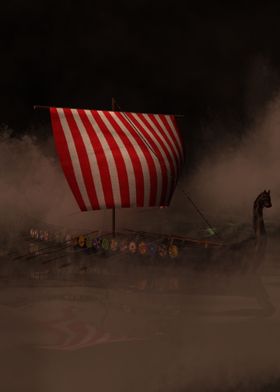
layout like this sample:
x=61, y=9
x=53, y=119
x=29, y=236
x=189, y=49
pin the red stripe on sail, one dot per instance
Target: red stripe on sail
x=101, y=159
x=118, y=157
x=135, y=160
x=175, y=146
x=164, y=153
x=157, y=152
x=65, y=158
x=83, y=159
x=148, y=156
x=181, y=147
x=170, y=155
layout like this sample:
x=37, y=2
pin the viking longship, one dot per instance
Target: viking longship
x=114, y=160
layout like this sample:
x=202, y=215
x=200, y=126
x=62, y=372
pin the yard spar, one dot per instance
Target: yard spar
x=117, y=159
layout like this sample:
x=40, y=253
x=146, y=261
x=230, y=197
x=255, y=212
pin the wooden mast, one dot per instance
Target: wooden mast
x=114, y=105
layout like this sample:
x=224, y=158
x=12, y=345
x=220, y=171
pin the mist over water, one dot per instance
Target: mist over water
x=33, y=187
x=224, y=184
x=229, y=179
x=209, y=342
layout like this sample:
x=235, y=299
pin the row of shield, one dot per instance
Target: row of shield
x=101, y=243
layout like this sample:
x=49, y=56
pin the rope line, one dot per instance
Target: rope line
x=200, y=213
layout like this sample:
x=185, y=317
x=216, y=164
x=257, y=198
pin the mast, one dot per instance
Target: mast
x=65, y=122
x=114, y=105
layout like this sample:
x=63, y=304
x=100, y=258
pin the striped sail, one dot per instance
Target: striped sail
x=118, y=159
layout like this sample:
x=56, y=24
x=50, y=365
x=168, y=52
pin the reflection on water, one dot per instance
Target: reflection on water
x=153, y=330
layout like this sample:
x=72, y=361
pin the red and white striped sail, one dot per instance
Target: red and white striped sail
x=118, y=159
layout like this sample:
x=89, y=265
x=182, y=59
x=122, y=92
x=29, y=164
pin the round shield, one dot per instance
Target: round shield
x=132, y=247
x=105, y=243
x=142, y=247
x=96, y=243
x=152, y=249
x=173, y=251
x=123, y=246
x=82, y=241
x=114, y=245
x=162, y=250
x=89, y=242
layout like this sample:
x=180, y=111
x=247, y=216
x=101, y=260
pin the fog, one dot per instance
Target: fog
x=202, y=333
x=33, y=187
x=229, y=178
x=224, y=183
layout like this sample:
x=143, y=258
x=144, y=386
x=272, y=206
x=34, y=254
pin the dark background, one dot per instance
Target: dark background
x=216, y=63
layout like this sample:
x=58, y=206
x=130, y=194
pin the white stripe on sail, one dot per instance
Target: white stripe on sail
x=142, y=158
x=110, y=159
x=74, y=158
x=171, y=141
x=166, y=161
x=167, y=146
x=126, y=157
x=92, y=159
x=175, y=132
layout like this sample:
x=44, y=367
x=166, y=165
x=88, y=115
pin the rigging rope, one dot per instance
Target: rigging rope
x=136, y=129
x=200, y=213
x=188, y=197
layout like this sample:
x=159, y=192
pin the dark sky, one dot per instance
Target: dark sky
x=216, y=62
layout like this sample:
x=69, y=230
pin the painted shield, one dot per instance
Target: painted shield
x=142, y=247
x=114, y=245
x=105, y=243
x=89, y=243
x=82, y=241
x=123, y=246
x=152, y=249
x=162, y=250
x=96, y=243
x=173, y=251
x=132, y=247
